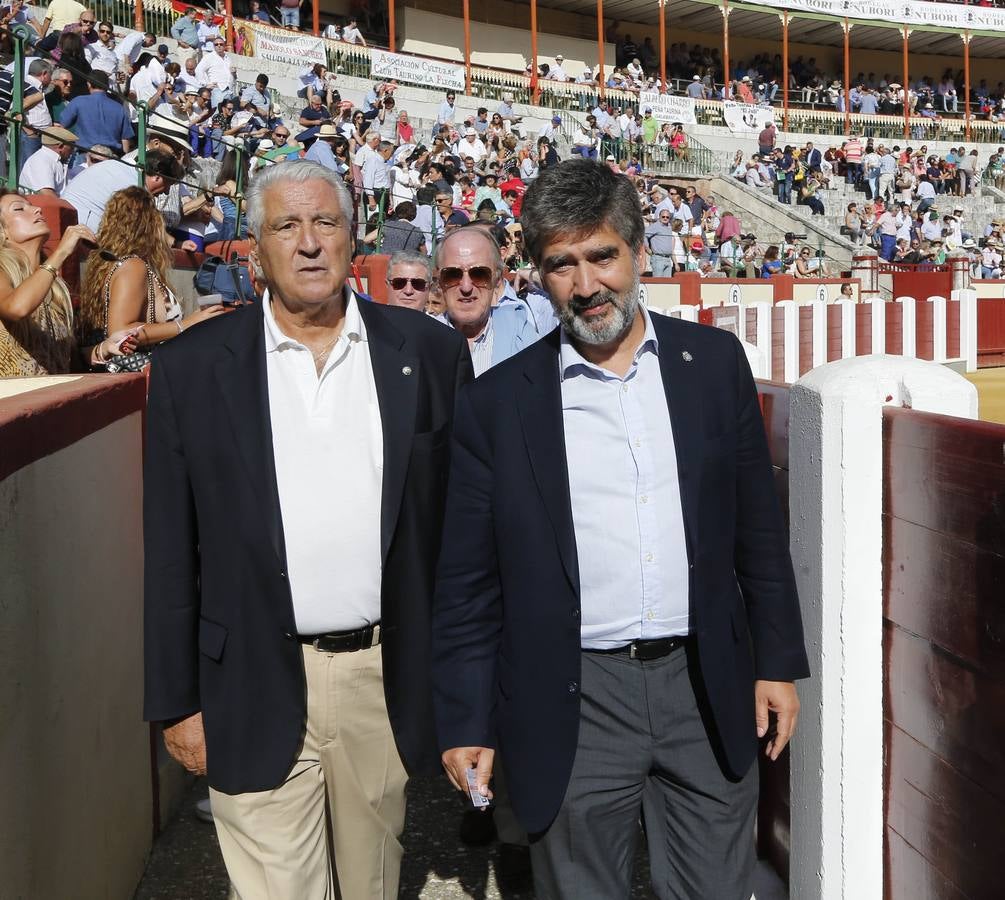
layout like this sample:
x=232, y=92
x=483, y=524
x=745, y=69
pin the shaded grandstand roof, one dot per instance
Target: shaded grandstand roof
x=763, y=24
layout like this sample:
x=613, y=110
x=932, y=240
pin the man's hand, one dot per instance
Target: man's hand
x=460, y=759
x=780, y=698
x=186, y=743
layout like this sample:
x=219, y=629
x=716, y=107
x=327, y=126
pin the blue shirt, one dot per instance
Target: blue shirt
x=321, y=152
x=626, y=503
x=97, y=119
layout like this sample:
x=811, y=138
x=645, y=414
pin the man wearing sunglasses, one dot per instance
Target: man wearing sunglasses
x=469, y=270
x=409, y=278
x=615, y=607
x=101, y=54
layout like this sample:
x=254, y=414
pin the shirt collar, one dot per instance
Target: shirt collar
x=353, y=328
x=572, y=362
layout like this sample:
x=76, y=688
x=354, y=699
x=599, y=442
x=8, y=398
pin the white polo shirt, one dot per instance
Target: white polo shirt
x=44, y=169
x=328, y=443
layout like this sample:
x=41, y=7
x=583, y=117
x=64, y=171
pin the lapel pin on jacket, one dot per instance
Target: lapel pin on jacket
x=687, y=357
x=406, y=370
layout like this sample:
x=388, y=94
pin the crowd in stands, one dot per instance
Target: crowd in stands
x=413, y=185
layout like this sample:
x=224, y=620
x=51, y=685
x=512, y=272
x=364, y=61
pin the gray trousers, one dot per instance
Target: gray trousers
x=642, y=749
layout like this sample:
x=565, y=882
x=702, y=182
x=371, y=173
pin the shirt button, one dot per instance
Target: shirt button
x=650, y=615
x=638, y=443
x=644, y=498
x=573, y=687
x=624, y=389
x=649, y=557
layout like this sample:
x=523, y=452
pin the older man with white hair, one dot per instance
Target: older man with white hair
x=288, y=595
x=409, y=279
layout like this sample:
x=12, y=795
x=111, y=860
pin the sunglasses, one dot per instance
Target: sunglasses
x=104, y=31
x=88, y=21
x=279, y=135
x=481, y=276
x=419, y=284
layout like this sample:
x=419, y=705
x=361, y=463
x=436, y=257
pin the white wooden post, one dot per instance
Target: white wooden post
x=835, y=507
x=686, y=311
x=968, y=326
x=762, y=334
x=909, y=327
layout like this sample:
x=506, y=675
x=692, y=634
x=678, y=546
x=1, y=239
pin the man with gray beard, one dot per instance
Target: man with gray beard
x=615, y=608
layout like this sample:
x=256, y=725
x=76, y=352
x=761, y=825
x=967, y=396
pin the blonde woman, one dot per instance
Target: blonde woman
x=36, y=318
x=125, y=288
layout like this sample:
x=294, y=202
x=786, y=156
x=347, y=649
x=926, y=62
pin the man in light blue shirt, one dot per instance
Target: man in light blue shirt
x=321, y=150
x=186, y=30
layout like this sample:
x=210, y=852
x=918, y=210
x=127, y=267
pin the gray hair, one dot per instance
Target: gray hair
x=296, y=172
x=39, y=67
x=410, y=258
x=494, y=254
x=576, y=198
x=61, y=73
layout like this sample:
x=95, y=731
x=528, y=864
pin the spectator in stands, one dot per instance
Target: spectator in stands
x=772, y=264
x=45, y=170
x=60, y=13
x=101, y=54
x=59, y=94
x=222, y=126
x=968, y=171
x=37, y=115
x=469, y=270
x=351, y=33
x=130, y=48
x=214, y=72
x=90, y=191
x=766, y=139
x=186, y=30
x=446, y=113
x=556, y=72
x=810, y=266
x=17, y=13
x=852, y=228
x=98, y=118
x=662, y=240
x=322, y=150
x=377, y=175
x=809, y=194
x=409, y=279
x=256, y=100
x=257, y=14
x=36, y=316
x=398, y=232
x=131, y=293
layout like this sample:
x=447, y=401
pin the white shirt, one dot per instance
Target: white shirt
x=207, y=34
x=44, y=169
x=130, y=47
x=481, y=349
x=38, y=115
x=626, y=503
x=327, y=439
x=91, y=190
x=557, y=73
x=214, y=69
x=352, y=35
x=102, y=56
x=475, y=149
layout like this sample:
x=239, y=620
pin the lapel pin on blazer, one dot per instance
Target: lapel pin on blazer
x=687, y=357
x=406, y=370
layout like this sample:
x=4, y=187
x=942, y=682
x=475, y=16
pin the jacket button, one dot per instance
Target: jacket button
x=575, y=614
x=288, y=635
x=282, y=575
x=573, y=687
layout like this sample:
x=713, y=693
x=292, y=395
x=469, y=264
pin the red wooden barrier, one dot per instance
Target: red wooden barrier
x=991, y=331
x=894, y=328
x=805, y=317
x=924, y=337
x=863, y=329
x=953, y=329
x=944, y=655
x=835, y=337
x=777, y=344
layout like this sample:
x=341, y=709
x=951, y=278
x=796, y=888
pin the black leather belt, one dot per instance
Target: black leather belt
x=344, y=641
x=646, y=650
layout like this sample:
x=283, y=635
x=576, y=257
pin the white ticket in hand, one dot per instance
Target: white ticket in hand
x=477, y=800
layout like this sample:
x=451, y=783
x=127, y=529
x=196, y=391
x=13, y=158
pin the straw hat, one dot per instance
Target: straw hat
x=57, y=134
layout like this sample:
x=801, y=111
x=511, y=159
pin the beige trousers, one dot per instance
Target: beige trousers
x=331, y=828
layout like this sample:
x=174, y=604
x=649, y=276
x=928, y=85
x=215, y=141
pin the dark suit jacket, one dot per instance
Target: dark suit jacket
x=506, y=629
x=220, y=633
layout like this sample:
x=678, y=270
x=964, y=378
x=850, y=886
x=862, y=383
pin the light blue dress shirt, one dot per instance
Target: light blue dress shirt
x=626, y=503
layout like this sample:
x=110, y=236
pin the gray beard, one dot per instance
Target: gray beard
x=625, y=306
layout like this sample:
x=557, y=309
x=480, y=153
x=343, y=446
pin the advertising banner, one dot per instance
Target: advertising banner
x=745, y=118
x=295, y=49
x=668, y=108
x=956, y=16
x=416, y=70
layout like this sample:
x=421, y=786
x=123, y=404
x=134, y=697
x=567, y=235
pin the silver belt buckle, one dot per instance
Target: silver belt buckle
x=631, y=650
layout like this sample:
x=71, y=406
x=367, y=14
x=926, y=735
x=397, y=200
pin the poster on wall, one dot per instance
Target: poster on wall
x=955, y=16
x=297, y=50
x=668, y=108
x=416, y=70
x=745, y=118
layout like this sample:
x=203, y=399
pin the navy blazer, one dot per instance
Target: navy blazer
x=506, y=628
x=219, y=624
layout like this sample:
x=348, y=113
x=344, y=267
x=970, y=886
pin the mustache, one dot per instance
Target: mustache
x=578, y=305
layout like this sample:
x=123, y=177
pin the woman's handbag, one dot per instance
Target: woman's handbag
x=129, y=362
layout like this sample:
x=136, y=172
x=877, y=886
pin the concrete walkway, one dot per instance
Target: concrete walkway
x=185, y=863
